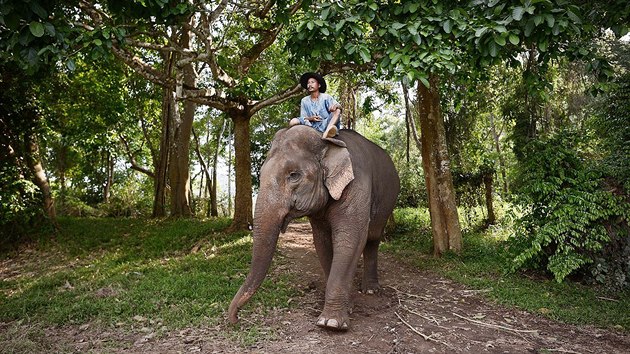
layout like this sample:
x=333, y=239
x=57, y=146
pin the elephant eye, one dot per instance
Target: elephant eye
x=294, y=176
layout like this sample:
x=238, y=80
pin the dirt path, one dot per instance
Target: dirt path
x=417, y=313
x=416, y=305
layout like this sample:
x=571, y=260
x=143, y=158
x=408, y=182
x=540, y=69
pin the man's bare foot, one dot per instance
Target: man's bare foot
x=330, y=132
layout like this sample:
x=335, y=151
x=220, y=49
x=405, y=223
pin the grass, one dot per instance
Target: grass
x=177, y=273
x=483, y=263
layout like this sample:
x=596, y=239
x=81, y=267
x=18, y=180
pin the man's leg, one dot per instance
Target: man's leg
x=331, y=130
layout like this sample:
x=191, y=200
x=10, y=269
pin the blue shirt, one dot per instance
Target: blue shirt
x=319, y=107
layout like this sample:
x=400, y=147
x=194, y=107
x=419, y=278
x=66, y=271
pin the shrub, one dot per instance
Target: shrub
x=568, y=215
x=20, y=205
x=611, y=266
x=612, y=128
x=73, y=206
x=412, y=187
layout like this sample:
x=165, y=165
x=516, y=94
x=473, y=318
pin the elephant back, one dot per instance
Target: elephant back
x=371, y=161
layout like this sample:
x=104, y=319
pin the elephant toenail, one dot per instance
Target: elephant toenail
x=321, y=322
x=370, y=292
x=333, y=323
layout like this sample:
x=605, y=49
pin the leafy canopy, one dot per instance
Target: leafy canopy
x=414, y=38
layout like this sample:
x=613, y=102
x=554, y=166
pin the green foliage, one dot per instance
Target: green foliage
x=611, y=266
x=129, y=199
x=37, y=34
x=20, y=205
x=415, y=38
x=70, y=205
x=566, y=209
x=412, y=191
x=20, y=200
x=156, y=11
x=88, y=114
x=612, y=127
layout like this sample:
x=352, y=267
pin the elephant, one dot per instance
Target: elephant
x=347, y=186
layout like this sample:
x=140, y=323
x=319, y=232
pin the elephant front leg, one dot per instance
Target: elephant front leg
x=323, y=245
x=346, y=253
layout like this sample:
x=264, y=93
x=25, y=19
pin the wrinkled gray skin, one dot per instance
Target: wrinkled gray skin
x=347, y=186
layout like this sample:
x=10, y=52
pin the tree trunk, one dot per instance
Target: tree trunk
x=487, y=182
x=229, y=175
x=447, y=233
x=204, y=168
x=179, y=169
x=348, y=101
x=159, y=201
x=214, y=211
x=39, y=177
x=526, y=122
x=110, y=177
x=62, y=156
x=213, y=191
x=208, y=185
x=242, y=152
x=408, y=119
x=497, y=146
x=202, y=187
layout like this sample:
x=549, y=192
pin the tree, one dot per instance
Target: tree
x=227, y=44
x=21, y=163
x=436, y=163
x=424, y=40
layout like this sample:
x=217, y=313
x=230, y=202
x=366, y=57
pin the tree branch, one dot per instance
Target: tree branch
x=410, y=119
x=132, y=159
x=157, y=47
x=268, y=38
x=277, y=98
x=210, y=96
x=203, y=32
x=143, y=69
x=331, y=67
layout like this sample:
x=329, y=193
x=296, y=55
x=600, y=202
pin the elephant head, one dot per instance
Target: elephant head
x=300, y=175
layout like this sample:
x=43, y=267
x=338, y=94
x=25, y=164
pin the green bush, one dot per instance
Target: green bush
x=73, y=206
x=568, y=215
x=20, y=205
x=612, y=129
x=412, y=187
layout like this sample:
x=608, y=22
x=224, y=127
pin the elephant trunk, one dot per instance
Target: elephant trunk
x=266, y=231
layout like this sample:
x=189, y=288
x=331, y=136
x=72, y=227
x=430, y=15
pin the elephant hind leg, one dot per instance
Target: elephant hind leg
x=370, y=284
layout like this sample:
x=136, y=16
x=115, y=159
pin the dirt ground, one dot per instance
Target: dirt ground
x=418, y=312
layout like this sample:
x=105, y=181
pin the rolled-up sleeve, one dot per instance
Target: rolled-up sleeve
x=332, y=102
x=304, y=113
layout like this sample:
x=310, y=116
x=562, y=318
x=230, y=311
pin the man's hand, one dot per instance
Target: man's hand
x=314, y=119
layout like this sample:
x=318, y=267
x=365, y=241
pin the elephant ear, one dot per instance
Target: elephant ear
x=336, y=141
x=337, y=169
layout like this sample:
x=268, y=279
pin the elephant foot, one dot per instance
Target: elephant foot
x=332, y=324
x=371, y=288
x=339, y=323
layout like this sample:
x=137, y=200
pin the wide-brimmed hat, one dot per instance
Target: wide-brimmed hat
x=304, y=80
